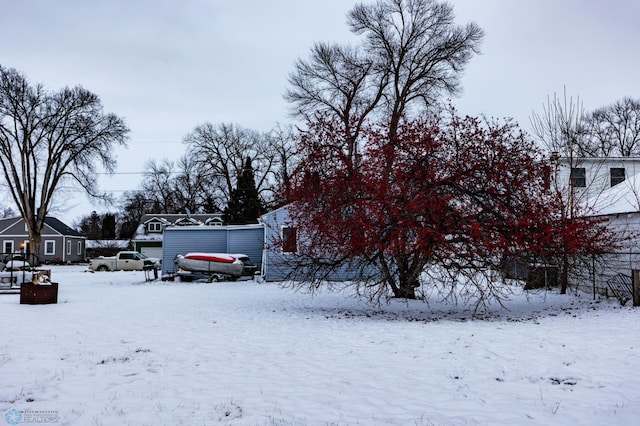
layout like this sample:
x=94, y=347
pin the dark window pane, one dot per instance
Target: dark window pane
x=289, y=240
x=579, y=177
x=617, y=175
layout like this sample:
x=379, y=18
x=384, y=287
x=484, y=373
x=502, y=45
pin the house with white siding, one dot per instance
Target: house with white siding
x=609, y=190
x=587, y=178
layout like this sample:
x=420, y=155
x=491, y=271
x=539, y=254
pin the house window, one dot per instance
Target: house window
x=69, y=247
x=154, y=227
x=49, y=247
x=79, y=248
x=289, y=240
x=617, y=175
x=8, y=246
x=579, y=177
x=214, y=222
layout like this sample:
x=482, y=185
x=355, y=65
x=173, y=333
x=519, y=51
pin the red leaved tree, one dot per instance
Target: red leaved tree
x=446, y=192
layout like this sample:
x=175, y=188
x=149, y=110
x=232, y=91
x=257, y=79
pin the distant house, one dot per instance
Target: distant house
x=607, y=188
x=619, y=207
x=590, y=177
x=149, y=235
x=60, y=243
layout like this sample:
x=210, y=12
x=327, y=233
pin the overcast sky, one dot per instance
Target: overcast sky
x=168, y=66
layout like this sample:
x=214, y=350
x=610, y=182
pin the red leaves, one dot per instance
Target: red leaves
x=454, y=189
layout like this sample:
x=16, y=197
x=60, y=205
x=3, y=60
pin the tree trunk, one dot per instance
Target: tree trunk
x=407, y=280
x=34, y=249
x=564, y=275
x=405, y=291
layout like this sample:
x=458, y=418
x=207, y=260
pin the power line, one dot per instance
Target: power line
x=153, y=142
x=120, y=173
x=135, y=173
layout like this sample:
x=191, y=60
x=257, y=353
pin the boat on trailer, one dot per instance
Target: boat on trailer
x=214, y=266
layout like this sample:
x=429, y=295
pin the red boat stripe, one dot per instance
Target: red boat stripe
x=210, y=258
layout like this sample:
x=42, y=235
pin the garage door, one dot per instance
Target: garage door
x=152, y=251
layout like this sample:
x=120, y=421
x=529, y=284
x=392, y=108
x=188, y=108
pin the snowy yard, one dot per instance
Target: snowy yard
x=116, y=350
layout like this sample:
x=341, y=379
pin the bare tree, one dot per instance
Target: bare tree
x=338, y=81
x=561, y=129
x=562, y=126
x=285, y=157
x=192, y=188
x=615, y=129
x=49, y=140
x=158, y=185
x=566, y=128
x=412, y=53
x=221, y=151
x=418, y=48
x=177, y=187
x=6, y=212
x=572, y=136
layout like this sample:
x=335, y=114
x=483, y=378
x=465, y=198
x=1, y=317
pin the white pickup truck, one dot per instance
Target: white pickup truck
x=124, y=261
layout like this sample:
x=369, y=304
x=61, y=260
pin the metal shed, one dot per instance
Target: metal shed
x=245, y=239
x=282, y=263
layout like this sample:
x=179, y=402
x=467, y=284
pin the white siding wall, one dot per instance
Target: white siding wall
x=598, y=174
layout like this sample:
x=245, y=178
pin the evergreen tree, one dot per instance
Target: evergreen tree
x=108, y=226
x=90, y=226
x=244, y=205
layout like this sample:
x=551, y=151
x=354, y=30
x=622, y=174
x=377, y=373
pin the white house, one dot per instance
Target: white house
x=609, y=189
x=588, y=178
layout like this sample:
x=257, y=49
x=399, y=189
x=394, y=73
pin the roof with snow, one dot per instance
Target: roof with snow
x=173, y=220
x=622, y=198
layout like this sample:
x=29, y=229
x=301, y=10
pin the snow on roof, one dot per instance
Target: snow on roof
x=147, y=237
x=622, y=198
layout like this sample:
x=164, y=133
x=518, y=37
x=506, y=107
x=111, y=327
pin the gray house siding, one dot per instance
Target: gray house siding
x=246, y=239
x=280, y=266
x=276, y=265
x=59, y=243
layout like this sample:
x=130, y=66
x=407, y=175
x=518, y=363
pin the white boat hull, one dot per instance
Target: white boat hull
x=215, y=263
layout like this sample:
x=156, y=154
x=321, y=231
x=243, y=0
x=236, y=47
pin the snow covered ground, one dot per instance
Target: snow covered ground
x=116, y=350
